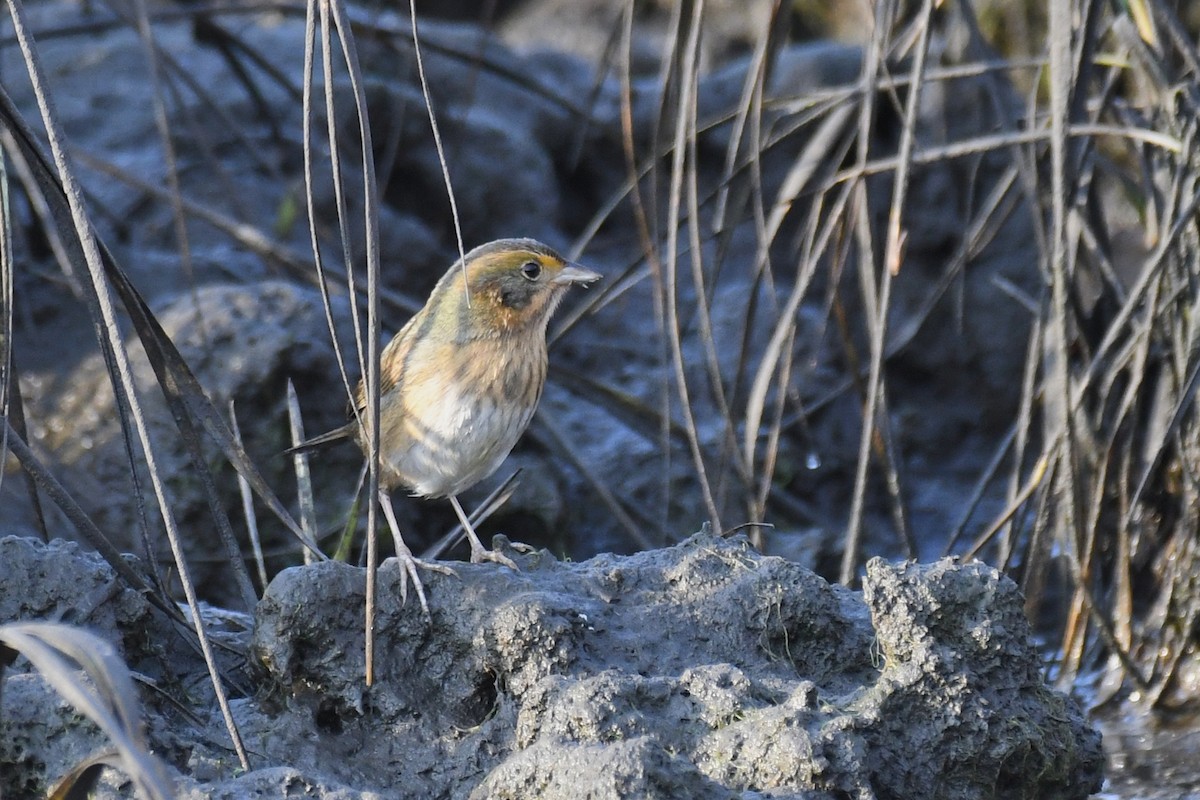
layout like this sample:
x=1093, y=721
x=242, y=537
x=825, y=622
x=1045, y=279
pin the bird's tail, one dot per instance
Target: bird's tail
x=335, y=435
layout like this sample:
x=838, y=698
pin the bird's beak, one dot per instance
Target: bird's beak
x=573, y=273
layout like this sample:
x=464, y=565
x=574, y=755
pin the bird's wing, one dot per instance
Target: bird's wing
x=391, y=362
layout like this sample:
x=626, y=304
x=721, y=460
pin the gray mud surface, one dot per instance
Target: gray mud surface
x=701, y=670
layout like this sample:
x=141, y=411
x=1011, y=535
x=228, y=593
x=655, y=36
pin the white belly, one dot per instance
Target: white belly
x=446, y=445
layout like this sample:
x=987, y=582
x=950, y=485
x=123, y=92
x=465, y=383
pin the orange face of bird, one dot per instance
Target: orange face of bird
x=508, y=286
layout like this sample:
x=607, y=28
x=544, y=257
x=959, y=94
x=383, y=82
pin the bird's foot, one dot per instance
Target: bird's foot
x=500, y=543
x=409, y=564
x=479, y=554
x=408, y=570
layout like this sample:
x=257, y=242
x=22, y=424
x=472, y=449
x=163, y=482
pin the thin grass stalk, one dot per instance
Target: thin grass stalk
x=121, y=358
x=1037, y=553
x=632, y=189
x=558, y=441
x=365, y=350
x=12, y=408
x=878, y=311
x=703, y=315
x=36, y=198
x=749, y=194
x=15, y=416
x=369, y=369
x=310, y=35
x=885, y=445
x=248, y=514
x=1142, y=403
x=758, y=504
x=1003, y=521
x=141, y=23
x=371, y=232
x=344, y=548
x=799, y=176
x=1076, y=621
x=762, y=282
x=1057, y=397
x=437, y=139
x=748, y=114
x=1122, y=604
x=304, y=486
x=871, y=67
x=835, y=241
x=1030, y=397
x=798, y=182
x=646, y=223
x=685, y=127
x=7, y=387
x=989, y=474
x=669, y=82
x=345, y=236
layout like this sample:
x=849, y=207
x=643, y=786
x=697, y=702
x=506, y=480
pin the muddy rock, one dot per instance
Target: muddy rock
x=63, y=582
x=700, y=670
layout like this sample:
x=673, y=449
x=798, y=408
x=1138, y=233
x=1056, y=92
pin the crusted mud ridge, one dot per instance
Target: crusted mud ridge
x=700, y=670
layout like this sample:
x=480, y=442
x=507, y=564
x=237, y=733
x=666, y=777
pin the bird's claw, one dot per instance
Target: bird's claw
x=408, y=569
x=481, y=554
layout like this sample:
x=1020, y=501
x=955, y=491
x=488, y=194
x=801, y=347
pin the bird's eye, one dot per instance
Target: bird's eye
x=532, y=270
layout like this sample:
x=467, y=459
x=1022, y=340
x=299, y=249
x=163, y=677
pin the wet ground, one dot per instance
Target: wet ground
x=1150, y=760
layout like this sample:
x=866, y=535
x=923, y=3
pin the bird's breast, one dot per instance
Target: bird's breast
x=456, y=415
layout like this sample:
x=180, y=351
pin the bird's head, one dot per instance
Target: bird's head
x=508, y=286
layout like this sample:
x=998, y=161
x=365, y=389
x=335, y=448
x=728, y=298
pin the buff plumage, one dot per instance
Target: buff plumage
x=460, y=382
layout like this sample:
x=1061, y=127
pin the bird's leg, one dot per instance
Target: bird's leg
x=478, y=551
x=408, y=563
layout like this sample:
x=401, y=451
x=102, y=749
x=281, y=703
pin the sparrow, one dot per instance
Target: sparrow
x=460, y=382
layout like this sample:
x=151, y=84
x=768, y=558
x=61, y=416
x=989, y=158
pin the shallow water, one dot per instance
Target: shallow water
x=1150, y=759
